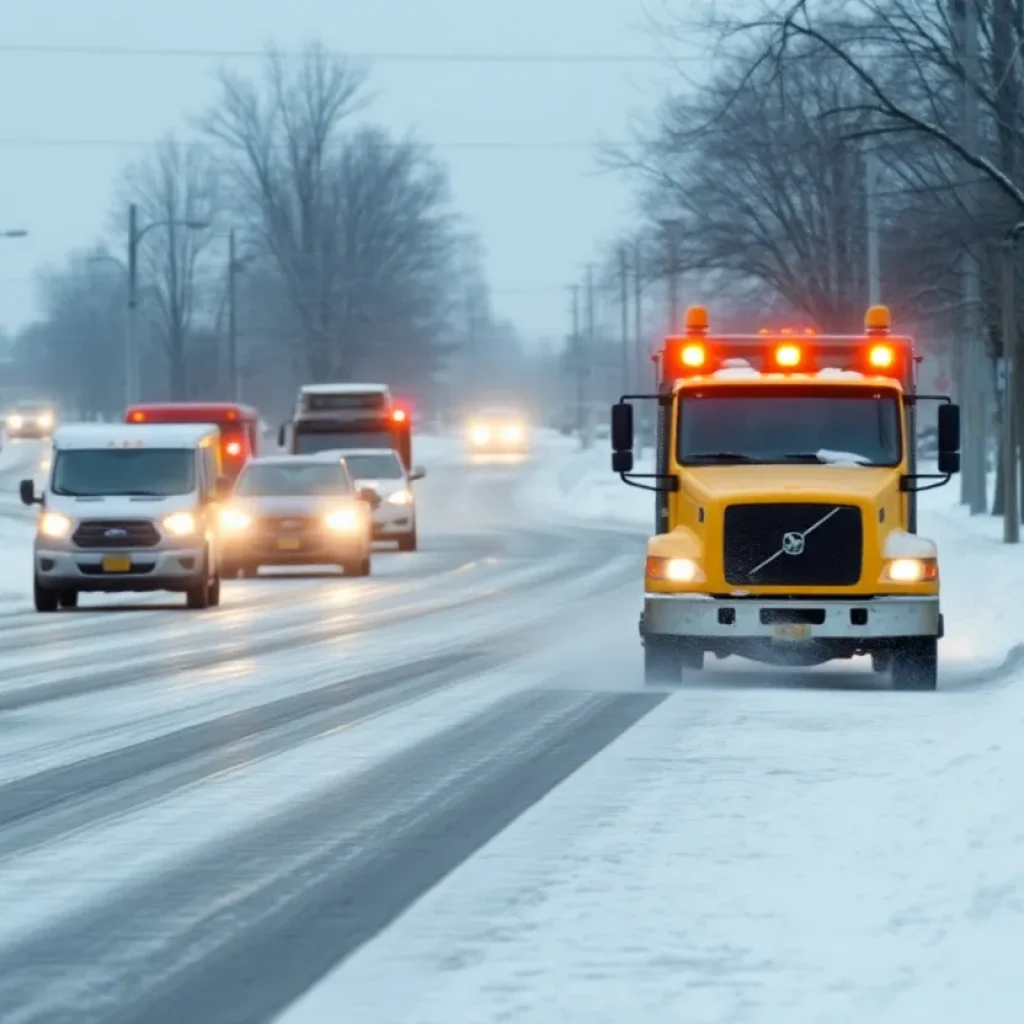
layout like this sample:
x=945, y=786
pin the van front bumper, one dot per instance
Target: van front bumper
x=151, y=569
x=875, y=618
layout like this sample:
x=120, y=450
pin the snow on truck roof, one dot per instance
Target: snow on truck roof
x=344, y=389
x=736, y=370
x=123, y=435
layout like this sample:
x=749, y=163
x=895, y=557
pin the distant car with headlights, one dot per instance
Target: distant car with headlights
x=497, y=431
x=128, y=508
x=384, y=473
x=290, y=510
x=31, y=420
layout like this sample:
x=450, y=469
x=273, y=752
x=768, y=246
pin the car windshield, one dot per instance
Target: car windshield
x=789, y=425
x=152, y=472
x=293, y=480
x=375, y=467
x=306, y=443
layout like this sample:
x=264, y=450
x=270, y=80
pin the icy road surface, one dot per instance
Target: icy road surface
x=441, y=795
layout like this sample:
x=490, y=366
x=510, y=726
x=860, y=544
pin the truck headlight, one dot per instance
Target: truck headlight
x=181, y=524
x=233, y=520
x=512, y=434
x=402, y=497
x=343, y=520
x=674, y=570
x=54, y=525
x=15, y=422
x=911, y=570
x=46, y=420
x=480, y=435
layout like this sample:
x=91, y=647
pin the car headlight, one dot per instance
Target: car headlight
x=911, y=570
x=480, y=435
x=343, y=520
x=512, y=434
x=45, y=419
x=53, y=524
x=674, y=570
x=234, y=520
x=181, y=524
x=402, y=497
x=15, y=422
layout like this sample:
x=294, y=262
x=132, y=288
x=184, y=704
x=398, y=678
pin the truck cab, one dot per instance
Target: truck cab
x=786, y=511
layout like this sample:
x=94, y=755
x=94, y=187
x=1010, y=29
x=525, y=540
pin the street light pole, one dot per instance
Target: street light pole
x=135, y=236
x=232, y=322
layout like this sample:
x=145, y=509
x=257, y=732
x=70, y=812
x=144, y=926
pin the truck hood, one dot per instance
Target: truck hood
x=868, y=484
x=119, y=506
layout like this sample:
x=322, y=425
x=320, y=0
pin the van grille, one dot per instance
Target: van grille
x=116, y=533
x=801, y=545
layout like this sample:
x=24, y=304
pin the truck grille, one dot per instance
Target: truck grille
x=116, y=533
x=819, y=545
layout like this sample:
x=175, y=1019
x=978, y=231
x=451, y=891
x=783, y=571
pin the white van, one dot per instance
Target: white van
x=128, y=508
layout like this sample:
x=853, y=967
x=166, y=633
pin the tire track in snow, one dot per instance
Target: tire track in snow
x=238, y=934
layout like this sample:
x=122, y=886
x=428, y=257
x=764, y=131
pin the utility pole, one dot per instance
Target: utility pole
x=974, y=477
x=577, y=360
x=131, y=334
x=871, y=211
x=1011, y=491
x=672, y=240
x=638, y=317
x=233, y=269
x=624, y=300
x=585, y=367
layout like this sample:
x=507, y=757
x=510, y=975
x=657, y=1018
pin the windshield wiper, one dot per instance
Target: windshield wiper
x=828, y=458
x=719, y=457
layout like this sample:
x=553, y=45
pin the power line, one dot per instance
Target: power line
x=507, y=144
x=33, y=49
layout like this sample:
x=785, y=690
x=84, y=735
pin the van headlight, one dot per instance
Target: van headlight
x=16, y=421
x=343, y=520
x=911, y=570
x=674, y=570
x=480, y=435
x=402, y=497
x=234, y=520
x=181, y=524
x=54, y=525
x=46, y=420
x=512, y=434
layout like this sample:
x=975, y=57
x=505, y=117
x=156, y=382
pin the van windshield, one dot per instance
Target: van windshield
x=149, y=472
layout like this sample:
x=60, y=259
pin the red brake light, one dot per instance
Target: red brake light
x=693, y=356
x=788, y=356
x=881, y=357
x=233, y=448
x=399, y=415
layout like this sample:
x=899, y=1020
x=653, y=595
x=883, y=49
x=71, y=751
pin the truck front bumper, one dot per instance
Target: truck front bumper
x=854, y=621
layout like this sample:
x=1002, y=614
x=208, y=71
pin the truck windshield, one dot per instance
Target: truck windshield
x=789, y=425
x=309, y=442
x=150, y=472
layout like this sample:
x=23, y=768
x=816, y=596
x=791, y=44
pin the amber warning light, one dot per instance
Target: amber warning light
x=882, y=357
x=788, y=356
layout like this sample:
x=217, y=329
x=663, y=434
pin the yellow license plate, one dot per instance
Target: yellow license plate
x=792, y=631
x=117, y=563
x=288, y=544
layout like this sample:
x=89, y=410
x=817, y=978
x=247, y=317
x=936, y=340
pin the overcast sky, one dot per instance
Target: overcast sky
x=541, y=211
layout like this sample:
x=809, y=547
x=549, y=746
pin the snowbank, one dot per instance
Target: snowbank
x=982, y=577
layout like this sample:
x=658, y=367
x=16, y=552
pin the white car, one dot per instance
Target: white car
x=381, y=470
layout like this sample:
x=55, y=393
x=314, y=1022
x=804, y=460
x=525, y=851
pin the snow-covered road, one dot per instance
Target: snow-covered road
x=441, y=793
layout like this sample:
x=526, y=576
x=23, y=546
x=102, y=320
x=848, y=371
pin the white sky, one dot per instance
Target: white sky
x=541, y=213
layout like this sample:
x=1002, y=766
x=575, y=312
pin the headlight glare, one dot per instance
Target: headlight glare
x=674, y=570
x=181, y=524
x=480, y=435
x=911, y=570
x=15, y=422
x=512, y=433
x=234, y=520
x=54, y=525
x=402, y=497
x=343, y=520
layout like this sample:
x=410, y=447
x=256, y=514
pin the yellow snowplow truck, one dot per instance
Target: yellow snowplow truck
x=786, y=510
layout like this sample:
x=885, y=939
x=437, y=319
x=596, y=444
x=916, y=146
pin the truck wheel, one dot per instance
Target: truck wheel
x=45, y=599
x=915, y=664
x=881, y=661
x=68, y=599
x=663, y=663
x=408, y=542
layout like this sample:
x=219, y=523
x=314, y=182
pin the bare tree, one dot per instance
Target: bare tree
x=176, y=189
x=282, y=137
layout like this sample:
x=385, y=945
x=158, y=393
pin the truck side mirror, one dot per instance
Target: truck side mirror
x=949, y=439
x=622, y=462
x=622, y=427
x=27, y=489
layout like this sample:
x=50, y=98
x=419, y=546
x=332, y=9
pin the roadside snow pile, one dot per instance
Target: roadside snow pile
x=981, y=577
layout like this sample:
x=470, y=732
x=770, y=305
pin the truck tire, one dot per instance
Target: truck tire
x=663, y=662
x=46, y=600
x=915, y=664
